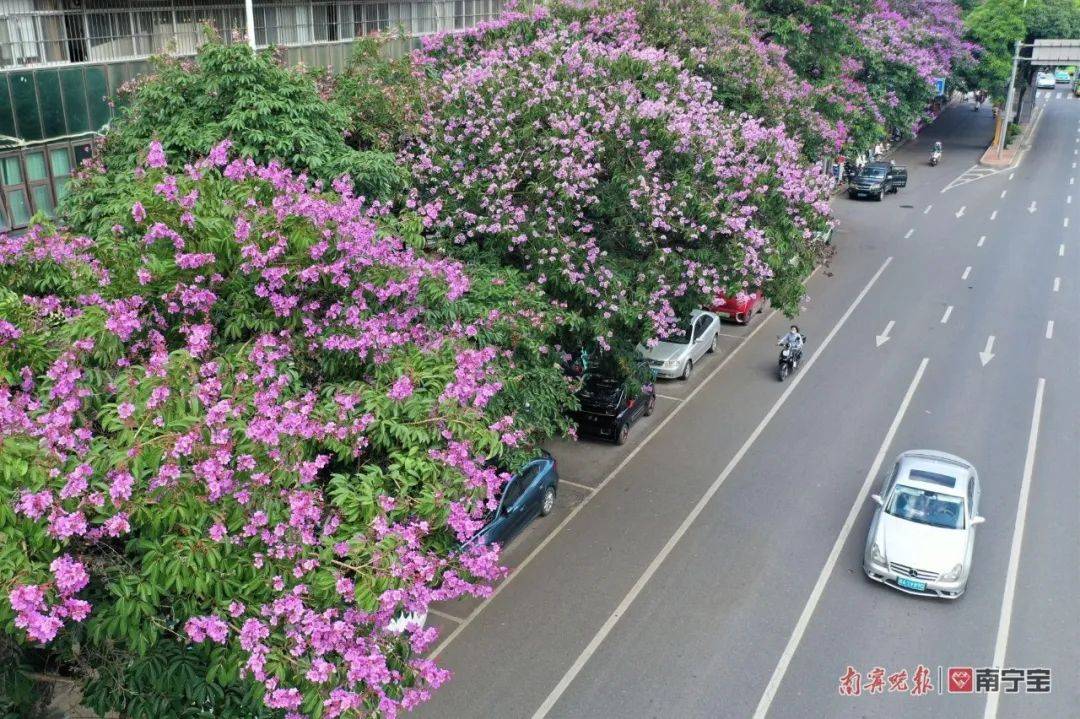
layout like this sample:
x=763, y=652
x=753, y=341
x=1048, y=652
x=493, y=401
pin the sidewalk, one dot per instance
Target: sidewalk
x=1010, y=155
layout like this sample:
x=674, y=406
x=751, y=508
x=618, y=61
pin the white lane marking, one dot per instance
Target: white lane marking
x=1068, y=199
x=884, y=336
x=909, y=233
x=1011, y=175
x=444, y=615
x=1074, y=164
x=811, y=604
x=1005, y=619
x=668, y=547
x=1057, y=284
x=927, y=210
x=1003, y=193
x=725, y=334
x=1049, y=329
x=611, y=475
x=981, y=241
x=579, y=485
x=993, y=215
x=966, y=273
x=1061, y=250
x=1032, y=207
x=1065, y=223
x=987, y=354
x=960, y=212
x=945, y=317
x=1072, y=180
x=668, y=396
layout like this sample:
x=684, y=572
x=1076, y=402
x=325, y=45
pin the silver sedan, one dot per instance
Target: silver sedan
x=675, y=355
x=922, y=537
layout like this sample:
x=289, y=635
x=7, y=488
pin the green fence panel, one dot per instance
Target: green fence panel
x=74, y=89
x=52, y=106
x=97, y=96
x=24, y=95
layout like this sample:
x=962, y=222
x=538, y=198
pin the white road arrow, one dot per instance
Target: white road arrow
x=1031, y=207
x=960, y=212
x=987, y=354
x=884, y=336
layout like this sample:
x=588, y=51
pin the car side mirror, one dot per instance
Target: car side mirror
x=878, y=500
x=977, y=520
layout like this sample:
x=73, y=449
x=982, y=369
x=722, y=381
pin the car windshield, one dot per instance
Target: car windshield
x=679, y=335
x=926, y=507
x=874, y=172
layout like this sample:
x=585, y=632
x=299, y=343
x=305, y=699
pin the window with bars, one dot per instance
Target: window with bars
x=41, y=32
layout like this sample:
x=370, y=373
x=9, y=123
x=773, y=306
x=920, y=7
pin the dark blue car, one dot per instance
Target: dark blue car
x=528, y=495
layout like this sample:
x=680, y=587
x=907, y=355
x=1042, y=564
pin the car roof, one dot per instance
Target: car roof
x=933, y=461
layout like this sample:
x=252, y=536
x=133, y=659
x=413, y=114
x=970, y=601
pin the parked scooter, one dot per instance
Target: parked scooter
x=935, y=154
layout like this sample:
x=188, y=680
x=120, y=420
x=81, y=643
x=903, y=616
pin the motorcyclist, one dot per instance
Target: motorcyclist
x=935, y=152
x=793, y=340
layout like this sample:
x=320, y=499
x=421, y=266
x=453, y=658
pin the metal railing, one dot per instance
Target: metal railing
x=51, y=32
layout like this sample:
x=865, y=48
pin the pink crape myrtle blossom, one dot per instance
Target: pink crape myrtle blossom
x=257, y=378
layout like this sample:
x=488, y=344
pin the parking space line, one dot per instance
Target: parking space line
x=688, y=521
x=578, y=485
x=725, y=334
x=444, y=615
x=830, y=563
x=497, y=589
x=668, y=396
x=1005, y=619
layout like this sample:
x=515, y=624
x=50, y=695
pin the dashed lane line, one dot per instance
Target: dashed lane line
x=982, y=239
x=967, y=272
x=1049, y=329
x=948, y=313
x=1057, y=284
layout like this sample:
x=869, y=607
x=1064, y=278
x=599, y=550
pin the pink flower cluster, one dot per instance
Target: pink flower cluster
x=42, y=609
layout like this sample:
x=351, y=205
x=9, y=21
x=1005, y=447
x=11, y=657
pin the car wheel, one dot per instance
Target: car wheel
x=715, y=343
x=548, y=502
x=687, y=370
x=651, y=406
x=743, y=318
x=880, y=196
x=623, y=433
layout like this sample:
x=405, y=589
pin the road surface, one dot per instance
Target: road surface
x=712, y=566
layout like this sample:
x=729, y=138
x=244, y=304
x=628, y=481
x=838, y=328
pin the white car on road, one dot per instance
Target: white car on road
x=676, y=354
x=922, y=536
x=1045, y=80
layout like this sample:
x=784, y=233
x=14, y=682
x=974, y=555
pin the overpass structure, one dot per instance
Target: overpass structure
x=1043, y=53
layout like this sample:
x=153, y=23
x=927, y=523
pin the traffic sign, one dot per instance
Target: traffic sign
x=939, y=85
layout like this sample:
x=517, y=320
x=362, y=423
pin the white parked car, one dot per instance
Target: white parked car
x=922, y=536
x=1045, y=81
x=410, y=621
x=676, y=354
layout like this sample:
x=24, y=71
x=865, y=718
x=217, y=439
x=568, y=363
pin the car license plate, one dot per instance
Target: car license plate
x=911, y=584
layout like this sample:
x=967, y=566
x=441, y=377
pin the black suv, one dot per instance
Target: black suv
x=876, y=179
x=611, y=401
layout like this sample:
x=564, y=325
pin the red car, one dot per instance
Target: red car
x=741, y=309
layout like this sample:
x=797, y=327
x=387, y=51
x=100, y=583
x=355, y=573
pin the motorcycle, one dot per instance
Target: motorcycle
x=935, y=157
x=789, y=359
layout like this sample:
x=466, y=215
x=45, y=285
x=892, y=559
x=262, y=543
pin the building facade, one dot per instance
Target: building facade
x=62, y=61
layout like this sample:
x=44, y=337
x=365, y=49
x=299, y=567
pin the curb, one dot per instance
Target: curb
x=1021, y=145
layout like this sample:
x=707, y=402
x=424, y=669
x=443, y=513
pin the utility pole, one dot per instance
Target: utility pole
x=1003, y=121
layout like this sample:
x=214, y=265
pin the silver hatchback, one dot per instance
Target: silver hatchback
x=922, y=536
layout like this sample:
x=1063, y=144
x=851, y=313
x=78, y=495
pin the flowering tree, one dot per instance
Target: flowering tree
x=243, y=431
x=569, y=148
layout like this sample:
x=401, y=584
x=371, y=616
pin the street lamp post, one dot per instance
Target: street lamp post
x=249, y=19
x=1003, y=128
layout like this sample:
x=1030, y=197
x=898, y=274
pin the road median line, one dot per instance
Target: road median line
x=658, y=560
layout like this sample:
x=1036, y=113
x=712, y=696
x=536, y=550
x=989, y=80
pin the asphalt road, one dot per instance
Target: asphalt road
x=712, y=566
